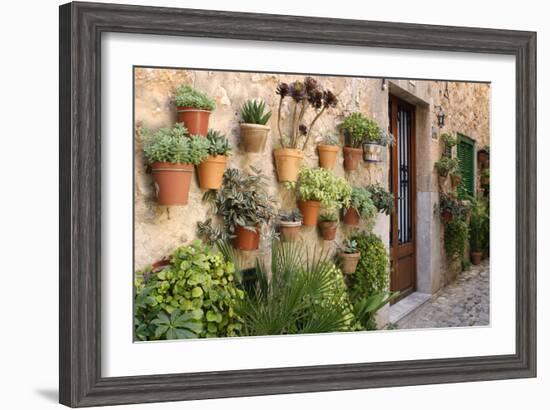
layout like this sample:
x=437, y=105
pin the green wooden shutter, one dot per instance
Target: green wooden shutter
x=465, y=153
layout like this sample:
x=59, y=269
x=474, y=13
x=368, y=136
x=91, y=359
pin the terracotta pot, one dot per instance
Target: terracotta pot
x=194, y=119
x=372, y=152
x=211, y=172
x=476, y=257
x=447, y=216
x=352, y=158
x=327, y=155
x=290, y=231
x=172, y=182
x=349, y=262
x=253, y=137
x=351, y=216
x=483, y=158
x=245, y=239
x=288, y=162
x=310, y=211
x=328, y=230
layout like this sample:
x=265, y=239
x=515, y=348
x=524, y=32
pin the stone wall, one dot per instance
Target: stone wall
x=158, y=230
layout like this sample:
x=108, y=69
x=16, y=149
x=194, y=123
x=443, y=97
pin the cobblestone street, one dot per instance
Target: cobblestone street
x=464, y=302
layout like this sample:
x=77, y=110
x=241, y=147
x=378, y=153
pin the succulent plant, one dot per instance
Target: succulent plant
x=328, y=216
x=217, y=143
x=254, y=112
x=362, y=202
x=349, y=246
x=187, y=96
x=293, y=215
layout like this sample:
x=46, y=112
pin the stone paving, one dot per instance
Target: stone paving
x=464, y=302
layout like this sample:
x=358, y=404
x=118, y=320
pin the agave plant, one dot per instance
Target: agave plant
x=217, y=143
x=254, y=112
x=304, y=293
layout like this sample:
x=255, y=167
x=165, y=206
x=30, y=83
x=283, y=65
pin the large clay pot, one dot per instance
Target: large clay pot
x=352, y=158
x=328, y=230
x=246, y=239
x=349, y=262
x=253, y=137
x=372, y=152
x=327, y=155
x=194, y=119
x=290, y=231
x=476, y=257
x=288, y=162
x=310, y=211
x=211, y=171
x=172, y=182
x=351, y=216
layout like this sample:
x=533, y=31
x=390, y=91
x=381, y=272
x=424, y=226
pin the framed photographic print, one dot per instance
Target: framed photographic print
x=261, y=204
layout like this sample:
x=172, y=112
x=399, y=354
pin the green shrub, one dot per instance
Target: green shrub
x=187, y=96
x=254, y=112
x=456, y=235
x=173, y=145
x=479, y=225
x=194, y=296
x=319, y=184
x=358, y=129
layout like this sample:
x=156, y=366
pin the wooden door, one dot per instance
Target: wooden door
x=402, y=182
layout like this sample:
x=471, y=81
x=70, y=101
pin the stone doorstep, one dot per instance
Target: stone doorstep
x=407, y=305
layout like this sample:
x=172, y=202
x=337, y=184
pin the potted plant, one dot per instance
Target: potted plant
x=446, y=165
x=456, y=177
x=193, y=108
x=449, y=141
x=318, y=187
x=290, y=223
x=360, y=207
x=244, y=204
x=450, y=207
x=354, y=127
x=382, y=199
x=253, y=126
x=301, y=96
x=349, y=256
x=483, y=157
x=328, y=222
x=328, y=150
x=212, y=168
x=171, y=155
x=479, y=228
x=374, y=141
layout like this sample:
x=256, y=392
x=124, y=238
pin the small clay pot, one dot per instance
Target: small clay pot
x=349, y=262
x=287, y=163
x=327, y=155
x=476, y=257
x=172, y=182
x=290, y=231
x=372, y=152
x=352, y=158
x=351, y=216
x=253, y=137
x=211, y=171
x=194, y=119
x=310, y=211
x=246, y=239
x=328, y=230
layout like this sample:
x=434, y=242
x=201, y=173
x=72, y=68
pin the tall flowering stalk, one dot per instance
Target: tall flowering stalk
x=303, y=94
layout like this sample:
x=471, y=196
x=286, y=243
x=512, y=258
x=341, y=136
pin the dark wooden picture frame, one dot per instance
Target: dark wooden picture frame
x=81, y=27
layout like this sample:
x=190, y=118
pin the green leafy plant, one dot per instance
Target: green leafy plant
x=349, y=246
x=366, y=308
x=187, y=96
x=479, y=225
x=446, y=165
x=293, y=215
x=194, y=296
x=383, y=199
x=217, y=143
x=449, y=141
x=328, y=216
x=449, y=202
x=319, y=184
x=362, y=202
x=456, y=236
x=301, y=96
x=254, y=112
x=358, y=129
x=175, y=146
x=242, y=200
x=304, y=293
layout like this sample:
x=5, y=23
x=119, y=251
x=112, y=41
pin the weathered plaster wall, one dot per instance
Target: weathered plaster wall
x=158, y=230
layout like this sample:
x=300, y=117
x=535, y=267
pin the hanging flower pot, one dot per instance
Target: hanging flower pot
x=476, y=257
x=193, y=108
x=349, y=262
x=172, y=182
x=327, y=155
x=195, y=120
x=287, y=163
x=211, y=171
x=372, y=152
x=352, y=158
x=253, y=137
x=328, y=230
x=310, y=211
x=351, y=216
x=483, y=158
x=290, y=231
x=246, y=239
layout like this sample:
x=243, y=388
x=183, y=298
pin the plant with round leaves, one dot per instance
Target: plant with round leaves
x=187, y=96
x=319, y=184
x=359, y=129
x=328, y=216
